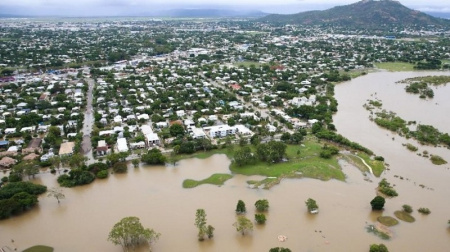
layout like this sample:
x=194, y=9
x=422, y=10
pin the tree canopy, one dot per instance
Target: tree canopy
x=129, y=233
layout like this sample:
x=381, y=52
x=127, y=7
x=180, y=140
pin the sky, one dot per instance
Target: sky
x=142, y=7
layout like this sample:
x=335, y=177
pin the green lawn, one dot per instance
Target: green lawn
x=306, y=163
x=247, y=64
x=215, y=179
x=39, y=248
x=395, y=66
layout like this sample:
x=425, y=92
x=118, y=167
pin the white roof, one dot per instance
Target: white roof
x=122, y=145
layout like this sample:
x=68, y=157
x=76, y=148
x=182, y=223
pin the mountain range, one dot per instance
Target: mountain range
x=363, y=14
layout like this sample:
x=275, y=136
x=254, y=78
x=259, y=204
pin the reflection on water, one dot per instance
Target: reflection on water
x=83, y=220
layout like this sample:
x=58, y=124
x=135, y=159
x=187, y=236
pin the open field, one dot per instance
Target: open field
x=395, y=66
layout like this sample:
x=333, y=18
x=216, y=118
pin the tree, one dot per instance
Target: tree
x=407, y=208
x=129, y=233
x=311, y=205
x=377, y=203
x=378, y=248
x=176, y=130
x=240, y=207
x=262, y=205
x=135, y=163
x=243, y=225
x=56, y=193
x=244, y=156
x=260, y=218
x=210, y=231
x=200, y=223
x=154, y=157
x=77, y=160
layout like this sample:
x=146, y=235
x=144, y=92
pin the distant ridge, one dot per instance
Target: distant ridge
x=363, y=14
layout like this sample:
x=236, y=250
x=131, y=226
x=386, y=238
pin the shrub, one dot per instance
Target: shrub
x=378, y=248
x=260, y=218
x=377, y=203
x=424, y=210
x=407, y=208
x=120, y=167
x=262, y=205
x=102, y=174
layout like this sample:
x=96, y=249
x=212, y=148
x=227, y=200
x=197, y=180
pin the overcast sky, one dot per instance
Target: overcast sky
x=136, y=7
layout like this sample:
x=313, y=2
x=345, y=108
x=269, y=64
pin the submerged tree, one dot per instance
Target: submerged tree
x=377, y=203
x=243, y=225
x=210, y=231
x=56, y=193
x=129, y=233
x=262, y=205
x=200, y=223
x=240, y=207
x=311, y=205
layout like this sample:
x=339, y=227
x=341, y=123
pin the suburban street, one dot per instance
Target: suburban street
x=88, y=122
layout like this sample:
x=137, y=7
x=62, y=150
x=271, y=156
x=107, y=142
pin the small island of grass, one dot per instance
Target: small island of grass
x=215, y=179
x=39, y=248
x=404, y=216
x=387, y=221
x=437, y=160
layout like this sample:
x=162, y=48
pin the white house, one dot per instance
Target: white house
x=122, y=145
x=220, y=130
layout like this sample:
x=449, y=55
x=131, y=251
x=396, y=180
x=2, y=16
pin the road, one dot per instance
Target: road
x=88, y=122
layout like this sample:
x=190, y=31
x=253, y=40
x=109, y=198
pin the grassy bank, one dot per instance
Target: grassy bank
x=215, y=179
x=395, y=66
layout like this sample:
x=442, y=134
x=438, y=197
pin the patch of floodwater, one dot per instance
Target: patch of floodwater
x=353, y=174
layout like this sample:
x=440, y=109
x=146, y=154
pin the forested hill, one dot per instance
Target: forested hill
x=362, y=14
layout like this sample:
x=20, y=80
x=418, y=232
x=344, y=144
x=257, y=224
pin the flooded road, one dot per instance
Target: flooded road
x=154, y=194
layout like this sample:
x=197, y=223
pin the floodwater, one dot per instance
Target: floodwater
x=154, y=194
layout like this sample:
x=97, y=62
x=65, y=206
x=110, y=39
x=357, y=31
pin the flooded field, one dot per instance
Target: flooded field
x=154, y=194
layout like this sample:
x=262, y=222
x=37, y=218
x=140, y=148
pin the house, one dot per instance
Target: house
x=102, y=148
x=7, y=162
x=47, y=156
x=180, y=113
x=9, y=131
x=197, y=133
x=138, y=145
x=4, y=144
x=122, y=145
x=220, y=130
x=66, y=148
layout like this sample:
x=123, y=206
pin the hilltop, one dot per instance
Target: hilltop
x=362, y=14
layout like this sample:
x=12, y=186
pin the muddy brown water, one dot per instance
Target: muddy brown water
x=83, y=220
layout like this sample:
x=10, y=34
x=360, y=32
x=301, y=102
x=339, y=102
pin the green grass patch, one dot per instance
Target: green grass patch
x=377, y=166
x=411, y=147
x=387, y=221
x=215, y=179
x=303, y=161
x=395, y=66
x=39, y=248
x=437, y=160
x=266, y=183
x=247, y=64
x=404, y=216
